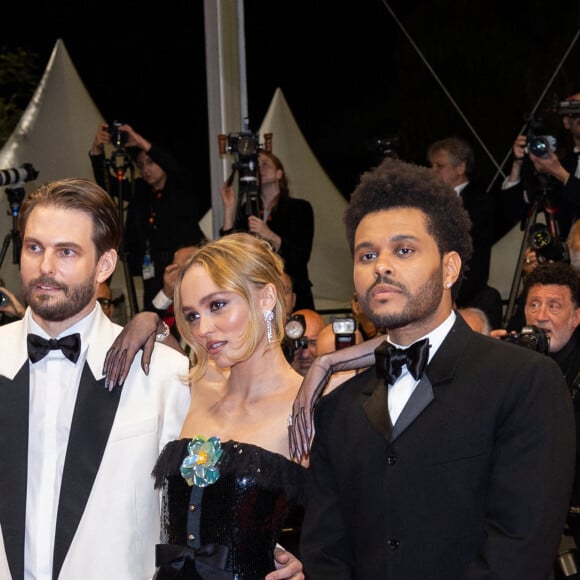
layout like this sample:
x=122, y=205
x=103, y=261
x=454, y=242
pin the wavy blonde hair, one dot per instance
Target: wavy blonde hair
x=239, y=263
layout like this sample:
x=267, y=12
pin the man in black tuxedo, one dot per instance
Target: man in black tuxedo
x=452, y=460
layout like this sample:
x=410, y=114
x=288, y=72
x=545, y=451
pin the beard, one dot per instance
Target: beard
x=420, y=305
x=57, y=309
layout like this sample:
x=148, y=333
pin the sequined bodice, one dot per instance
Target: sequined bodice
x=244, y=509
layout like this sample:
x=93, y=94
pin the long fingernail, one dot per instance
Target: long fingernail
x=147, y=369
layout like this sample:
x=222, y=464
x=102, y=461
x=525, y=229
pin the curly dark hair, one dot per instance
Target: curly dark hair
x=559, y=273
x=396, y=184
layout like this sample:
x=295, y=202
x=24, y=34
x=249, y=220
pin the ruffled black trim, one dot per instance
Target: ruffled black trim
x=271, y=470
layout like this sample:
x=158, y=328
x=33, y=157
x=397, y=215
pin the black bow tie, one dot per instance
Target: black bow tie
x=38, y=347
x=390, y=360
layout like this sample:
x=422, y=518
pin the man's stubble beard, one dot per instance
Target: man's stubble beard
x=419, y=306
x=54, y=309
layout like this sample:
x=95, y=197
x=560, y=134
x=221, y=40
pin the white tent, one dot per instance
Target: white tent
x=54, y=135
x=330, y=265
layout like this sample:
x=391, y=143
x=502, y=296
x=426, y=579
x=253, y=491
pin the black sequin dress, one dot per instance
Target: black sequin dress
x=228, y=529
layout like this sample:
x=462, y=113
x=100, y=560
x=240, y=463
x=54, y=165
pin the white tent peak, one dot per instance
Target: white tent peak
x=54, y=134
x=57, y=127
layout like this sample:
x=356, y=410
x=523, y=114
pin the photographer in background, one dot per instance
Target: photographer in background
x=452, y=159
x=163, y=210
x=306, y=351
x=552, y=304
x=533, y=175
x=551, y=296
x=573, y=243
x=286, y=222
x=11, y=308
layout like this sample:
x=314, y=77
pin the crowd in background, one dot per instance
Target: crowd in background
x=251, y=288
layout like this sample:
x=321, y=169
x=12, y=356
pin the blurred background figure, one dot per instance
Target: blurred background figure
x=11, y=308
x=163, y=206
x=305, y=354
x=105, y=299
x=286, y=222
x=162, y=302
x=549, y=179
x=573, y=244
x=476, y=318
x=452, y=159
x=289, y=294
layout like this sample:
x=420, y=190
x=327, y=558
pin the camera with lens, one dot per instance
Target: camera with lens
x=546, y=245
x=294, y=336
x=383, y=147
x=118, y=137
x=539, y=143
x=245, y=146
x=344, y=332
x=531, y=337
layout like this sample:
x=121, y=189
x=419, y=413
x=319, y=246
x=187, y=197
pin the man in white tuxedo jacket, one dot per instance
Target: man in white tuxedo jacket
x=76, y=494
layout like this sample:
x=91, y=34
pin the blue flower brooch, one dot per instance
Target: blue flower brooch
x=200, y=466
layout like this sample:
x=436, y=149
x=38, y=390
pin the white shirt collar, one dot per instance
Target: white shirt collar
x=436, y=336
x=459, y=188
x=82, y=326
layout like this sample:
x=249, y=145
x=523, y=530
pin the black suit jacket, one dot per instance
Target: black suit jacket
x=473, y=482
x=559, y=202
x=479, y=206
x=293, y=220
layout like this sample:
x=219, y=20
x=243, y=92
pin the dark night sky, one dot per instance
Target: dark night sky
x=348, y=72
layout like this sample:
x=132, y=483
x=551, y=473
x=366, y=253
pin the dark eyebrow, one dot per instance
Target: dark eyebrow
x=63, y=244
x=394, y=239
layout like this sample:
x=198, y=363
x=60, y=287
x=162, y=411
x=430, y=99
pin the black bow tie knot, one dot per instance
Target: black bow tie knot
x=38, y=347
x=390, y=360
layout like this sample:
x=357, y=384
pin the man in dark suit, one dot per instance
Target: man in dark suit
x=451, y=460
x=452, y=159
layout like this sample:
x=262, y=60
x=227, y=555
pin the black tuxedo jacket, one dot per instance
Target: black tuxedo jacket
x=479, y=206
x=473, y=481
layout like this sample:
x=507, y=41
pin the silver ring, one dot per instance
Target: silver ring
x=290, y=420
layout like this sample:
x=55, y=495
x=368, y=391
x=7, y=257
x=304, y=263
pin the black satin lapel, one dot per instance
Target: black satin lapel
x=421, y=397
x=377, y=409
x=14, y=403
x=93, y=417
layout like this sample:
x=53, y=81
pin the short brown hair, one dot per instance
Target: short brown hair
x=80, y=195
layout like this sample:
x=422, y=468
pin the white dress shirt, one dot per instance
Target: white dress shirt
x=401, y=391
x=54, y=383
